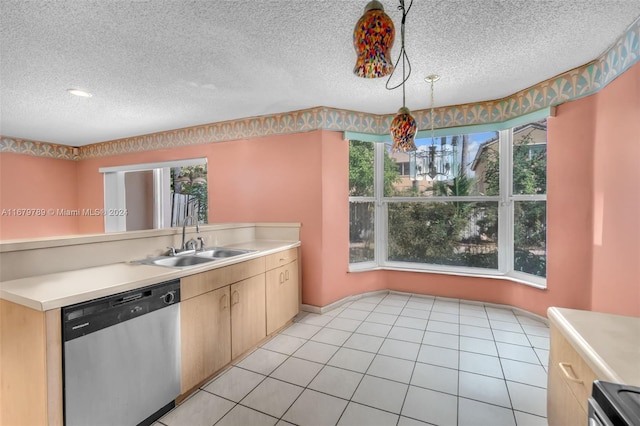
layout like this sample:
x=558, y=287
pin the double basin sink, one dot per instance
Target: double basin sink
x=196, y=258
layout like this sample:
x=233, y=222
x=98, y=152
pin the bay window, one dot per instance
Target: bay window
x=468, y=201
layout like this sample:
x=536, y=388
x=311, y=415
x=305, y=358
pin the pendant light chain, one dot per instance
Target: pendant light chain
x=432, y=78
x=432, y=104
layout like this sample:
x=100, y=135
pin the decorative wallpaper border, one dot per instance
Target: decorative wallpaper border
x=37, y=148
x=573, y=84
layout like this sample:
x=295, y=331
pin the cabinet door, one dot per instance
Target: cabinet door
x=248, y=323
x=282, y=295
x=206, y=339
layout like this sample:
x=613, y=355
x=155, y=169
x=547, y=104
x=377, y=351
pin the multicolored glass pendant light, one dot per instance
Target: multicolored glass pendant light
x=373, y=38
x=403, y=131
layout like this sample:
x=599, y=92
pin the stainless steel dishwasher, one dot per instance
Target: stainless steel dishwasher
x=121, y=357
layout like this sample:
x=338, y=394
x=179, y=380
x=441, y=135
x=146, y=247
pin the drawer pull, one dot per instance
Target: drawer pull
x=565, y=369
x=223, y=302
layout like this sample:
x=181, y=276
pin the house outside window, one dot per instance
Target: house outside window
x=479, y=209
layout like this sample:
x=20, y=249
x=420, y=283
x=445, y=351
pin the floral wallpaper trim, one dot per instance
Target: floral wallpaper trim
x=573, y=84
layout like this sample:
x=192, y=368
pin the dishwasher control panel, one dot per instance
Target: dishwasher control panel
x=88, y=317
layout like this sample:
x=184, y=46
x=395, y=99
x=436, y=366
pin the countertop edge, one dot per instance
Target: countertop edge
x=161, y=274
x=24, y=301
x=575, y=339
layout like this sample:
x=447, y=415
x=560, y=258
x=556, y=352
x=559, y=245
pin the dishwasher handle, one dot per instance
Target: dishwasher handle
x=130, y=298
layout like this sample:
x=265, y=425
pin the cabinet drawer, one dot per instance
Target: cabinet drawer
x=570, y=366
x=281, y=258
x=563, y=409
x=197, y=284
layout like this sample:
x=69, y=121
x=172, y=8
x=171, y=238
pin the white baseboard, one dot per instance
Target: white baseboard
x=324, y=309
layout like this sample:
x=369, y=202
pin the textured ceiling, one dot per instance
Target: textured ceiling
x=160, y=65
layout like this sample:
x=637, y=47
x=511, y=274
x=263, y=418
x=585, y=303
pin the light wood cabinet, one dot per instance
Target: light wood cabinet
x=283, y=297
x=563, y=408
x=196, y=284
x=213, y=332
x=31, y=366
x=281, y=258
x=205, y=325
x=222, y=315
x=569, y=384
x=247, y=314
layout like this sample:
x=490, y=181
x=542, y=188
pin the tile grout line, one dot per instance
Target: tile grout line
x=385, y=338
x=414, y=362
x=316, y=375
x=369, y=366
x=504, y=376
x=324, y=365
x=426, y=363
x=263, y=379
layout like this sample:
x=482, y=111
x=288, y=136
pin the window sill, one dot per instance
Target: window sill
x=517, y=277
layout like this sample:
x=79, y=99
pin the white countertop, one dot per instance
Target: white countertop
x=609, y=344
x=53, y=291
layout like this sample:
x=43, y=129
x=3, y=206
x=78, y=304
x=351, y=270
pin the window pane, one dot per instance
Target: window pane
x=189, y=194
x=452, y=233
x=530, y=158
x=530, y=237
x=361, y=232
x=457, y=165
x=361, y=168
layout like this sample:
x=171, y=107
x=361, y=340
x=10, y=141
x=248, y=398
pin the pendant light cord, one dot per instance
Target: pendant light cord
x=403, y=54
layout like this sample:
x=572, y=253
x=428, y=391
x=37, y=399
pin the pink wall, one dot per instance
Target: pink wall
x=593, y=206
x=28, y=182
x=274, y=179
x=579, y=274
x=569, y=204
x=569, y=230
x=616, y=187
x=271, y=179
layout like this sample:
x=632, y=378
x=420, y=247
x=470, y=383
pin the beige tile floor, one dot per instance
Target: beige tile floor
x=390, y=359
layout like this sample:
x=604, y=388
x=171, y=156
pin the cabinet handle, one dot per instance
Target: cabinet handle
x=286, y=275
x=235, y=298
x=223, y=302
x=281, y=277
x=564, y=366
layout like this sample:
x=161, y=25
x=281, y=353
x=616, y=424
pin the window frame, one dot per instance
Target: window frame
x=505, y=203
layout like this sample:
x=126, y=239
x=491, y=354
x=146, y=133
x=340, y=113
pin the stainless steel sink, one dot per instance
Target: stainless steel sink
x=194, y=259
x=221, y=252
x=177, y=261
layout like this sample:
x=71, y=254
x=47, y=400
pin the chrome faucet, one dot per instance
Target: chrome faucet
x=184, y=225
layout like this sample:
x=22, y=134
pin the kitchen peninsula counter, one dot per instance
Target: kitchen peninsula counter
x=587, y=346
x=51, y=291
x=609, y=344
x=40, y=276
